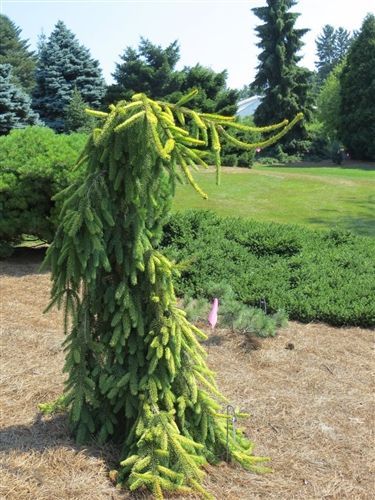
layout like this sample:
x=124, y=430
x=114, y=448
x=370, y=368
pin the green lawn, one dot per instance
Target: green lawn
x=321, y=197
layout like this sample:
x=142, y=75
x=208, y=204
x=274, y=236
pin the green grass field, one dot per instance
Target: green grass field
x=320, y=197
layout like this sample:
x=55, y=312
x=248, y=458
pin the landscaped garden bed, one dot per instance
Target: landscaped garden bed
x=311, y=407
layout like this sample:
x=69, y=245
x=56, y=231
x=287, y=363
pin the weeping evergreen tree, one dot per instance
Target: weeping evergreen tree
x=136, y=370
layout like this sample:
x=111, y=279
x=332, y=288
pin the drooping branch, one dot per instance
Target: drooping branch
x=172, y=119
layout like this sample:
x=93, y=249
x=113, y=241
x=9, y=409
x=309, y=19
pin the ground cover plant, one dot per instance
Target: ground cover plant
x=136, y=371
x=312, y=275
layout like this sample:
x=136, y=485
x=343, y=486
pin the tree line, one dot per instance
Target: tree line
x=54, y=85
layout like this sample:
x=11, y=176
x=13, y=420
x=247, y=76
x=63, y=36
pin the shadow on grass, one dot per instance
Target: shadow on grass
x=362, y=224
x=24, y=261
x=347, y=165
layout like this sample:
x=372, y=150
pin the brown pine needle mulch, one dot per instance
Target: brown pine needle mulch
x=310, y=392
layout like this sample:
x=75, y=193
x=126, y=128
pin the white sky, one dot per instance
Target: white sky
x=215, y=33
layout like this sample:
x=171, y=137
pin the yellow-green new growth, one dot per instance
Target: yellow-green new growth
x=208, y=126
x=136, y=369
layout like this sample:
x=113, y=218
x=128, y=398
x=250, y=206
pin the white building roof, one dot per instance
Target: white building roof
x=247, y=107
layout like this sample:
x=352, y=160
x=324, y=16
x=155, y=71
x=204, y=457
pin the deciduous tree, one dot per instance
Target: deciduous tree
x=329, y=103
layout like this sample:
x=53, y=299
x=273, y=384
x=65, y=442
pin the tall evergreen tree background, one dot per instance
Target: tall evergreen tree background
x=15, y=51
x=63, y=79
x=331, y=47
x=151, y=69
x=214, y=96
x=15, y=104
x=343, y=41
x=63, y=65
x=284, y=83
x=357, y=110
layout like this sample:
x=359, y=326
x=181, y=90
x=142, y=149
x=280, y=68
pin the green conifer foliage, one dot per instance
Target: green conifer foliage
x=283, y=82
x=136, y=370
x=357, y=106
x=331, y=47
x=75, y=117
x=63, y=66
x=15, y=51
x=15, y=104
x=151, y=69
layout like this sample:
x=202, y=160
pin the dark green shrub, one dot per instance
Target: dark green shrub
x=268, y=161
x=313, y=276
x=337, y=152
x=35, y=164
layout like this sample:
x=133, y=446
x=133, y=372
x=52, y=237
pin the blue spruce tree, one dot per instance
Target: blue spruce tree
x=64, y=65
x=15, y=104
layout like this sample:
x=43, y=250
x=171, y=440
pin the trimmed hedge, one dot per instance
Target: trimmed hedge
x=35, y=163
x=314, y=276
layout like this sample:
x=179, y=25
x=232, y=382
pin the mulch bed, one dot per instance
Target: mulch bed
x=310, y=393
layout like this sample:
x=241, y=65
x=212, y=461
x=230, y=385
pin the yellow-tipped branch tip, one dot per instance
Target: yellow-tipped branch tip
x=97, y=114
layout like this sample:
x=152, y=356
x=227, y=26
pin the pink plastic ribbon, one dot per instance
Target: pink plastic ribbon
x=212, y=317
